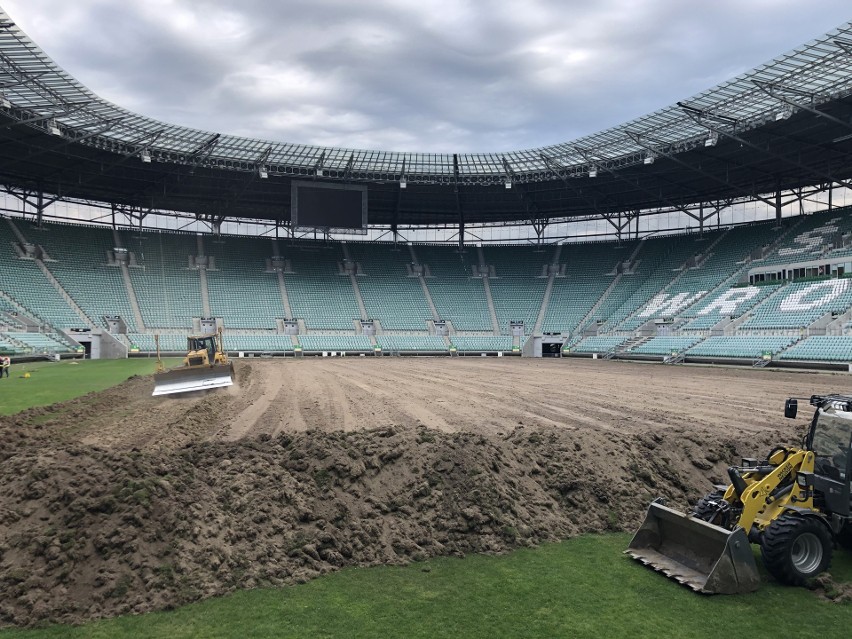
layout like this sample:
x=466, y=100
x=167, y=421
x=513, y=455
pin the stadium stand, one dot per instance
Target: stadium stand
x=79, y=263
x=720, y=258
x=168, y=291
x=665, y=345
x=335, y=343
x=798, y=304
x=389, y=293
x=258, y=343
x=241, y=290
x=733, y=302
x=482, y=344
x=660, y=261
x=23, y=281
x=604, y=297
x=403, y=343
x=740, y=346
x=320, y=293
x=41, y=342
x=599, y=344
x=590, y=269
x=458, y=296
x=518, y=288
x=9, y=347
x=168, y=342
x=827, y=348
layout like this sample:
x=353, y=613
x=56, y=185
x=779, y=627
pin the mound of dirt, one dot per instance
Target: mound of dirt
x=87, y=532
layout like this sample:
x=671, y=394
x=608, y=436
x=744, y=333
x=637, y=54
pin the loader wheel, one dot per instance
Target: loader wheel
x=796, y=549
x=705, y=508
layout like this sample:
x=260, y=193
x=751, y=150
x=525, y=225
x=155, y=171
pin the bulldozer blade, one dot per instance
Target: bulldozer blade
x=187, y=380
x=698, y=554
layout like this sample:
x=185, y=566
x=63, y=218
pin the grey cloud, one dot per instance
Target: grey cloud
x=447, y=76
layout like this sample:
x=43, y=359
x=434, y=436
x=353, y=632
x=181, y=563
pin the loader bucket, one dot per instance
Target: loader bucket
x=186, y=380
x=698, y=554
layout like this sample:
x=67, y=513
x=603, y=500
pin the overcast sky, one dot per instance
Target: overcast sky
x=413, y=75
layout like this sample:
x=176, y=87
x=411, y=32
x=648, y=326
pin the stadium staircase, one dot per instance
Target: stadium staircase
x=64, y=294
x=128, y=286
x=548, y=291
x=492, y=311
x=608, y=295
x=202, y=280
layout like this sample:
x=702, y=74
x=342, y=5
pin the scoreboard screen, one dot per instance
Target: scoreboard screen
x=337, y=207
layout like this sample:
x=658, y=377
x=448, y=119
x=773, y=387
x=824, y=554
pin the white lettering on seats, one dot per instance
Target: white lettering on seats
x=811, y=240
x=662, y=304
x=796, y=301
x=730, y=300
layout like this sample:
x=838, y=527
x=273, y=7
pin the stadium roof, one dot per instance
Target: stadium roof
x=784, y=125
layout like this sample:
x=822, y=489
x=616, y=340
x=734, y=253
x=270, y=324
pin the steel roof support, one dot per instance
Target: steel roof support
x=347, y=172
x=770, y=89
x=41, y=118
x=782, y=158
x=702, y=172
x=560, y=171
x=203, y=152
x=527, y=202
x=637, y=184
x=318, y=165
x=65, y=142
x=843, y=43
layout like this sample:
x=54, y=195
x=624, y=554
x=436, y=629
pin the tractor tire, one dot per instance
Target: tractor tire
x=796, y=549
x=705, y=510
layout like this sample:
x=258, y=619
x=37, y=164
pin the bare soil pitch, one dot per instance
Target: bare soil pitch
x=119, y=502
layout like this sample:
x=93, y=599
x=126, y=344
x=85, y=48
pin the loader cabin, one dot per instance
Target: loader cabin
x=830, y=438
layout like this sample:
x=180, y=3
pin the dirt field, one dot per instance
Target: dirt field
x=119, y=502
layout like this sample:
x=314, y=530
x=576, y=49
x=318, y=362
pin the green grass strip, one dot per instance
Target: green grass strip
x=583, y=587
x=52, y=382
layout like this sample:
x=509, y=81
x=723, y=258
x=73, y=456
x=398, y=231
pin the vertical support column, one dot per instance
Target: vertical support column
x=778, y=204
x=830, y=192
x=701, y=218
x=39, y=205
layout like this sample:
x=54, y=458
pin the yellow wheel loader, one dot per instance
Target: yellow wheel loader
x=795, y=505
x=205, y=366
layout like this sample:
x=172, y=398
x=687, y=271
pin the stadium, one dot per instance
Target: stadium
x=398, y=399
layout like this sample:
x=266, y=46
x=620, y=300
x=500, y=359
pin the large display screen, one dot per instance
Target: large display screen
x=340, y=207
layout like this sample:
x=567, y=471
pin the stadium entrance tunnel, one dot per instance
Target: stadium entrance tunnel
x=543, y=346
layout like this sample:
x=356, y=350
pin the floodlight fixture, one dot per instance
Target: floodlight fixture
x=508, y=183
x=649, y=158
x=4, y=101
x=262, y=172
x=53, y=128
x=593, y=172
x=402, y=183
x=145, y=156
x=319, y=173
x=783, y=115
x=712, y=139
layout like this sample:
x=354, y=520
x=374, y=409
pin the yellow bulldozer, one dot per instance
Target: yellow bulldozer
x=794, y=504
x=205, y=366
